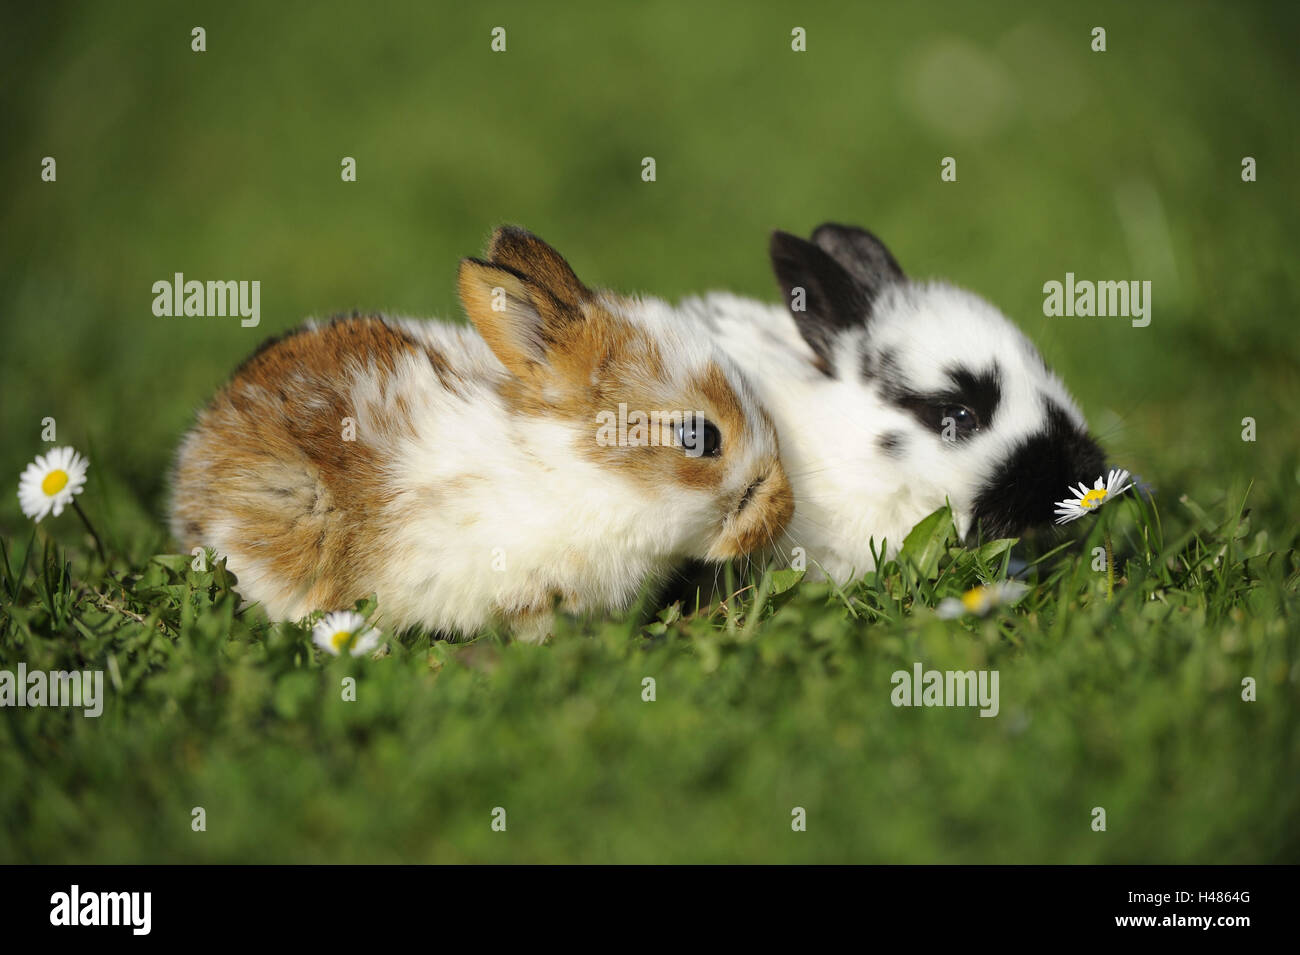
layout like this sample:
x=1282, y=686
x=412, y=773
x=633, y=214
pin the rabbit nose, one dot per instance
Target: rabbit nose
x=775, y=486
x=758, y=518
x=749, y=492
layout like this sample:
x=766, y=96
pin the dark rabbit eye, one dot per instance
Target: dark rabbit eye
x=700, y=437
x=963, y=419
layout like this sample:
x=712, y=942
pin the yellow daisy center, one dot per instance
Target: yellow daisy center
x=975, y=600
x=341, y=639
x=1093, y=498
x=54, y=482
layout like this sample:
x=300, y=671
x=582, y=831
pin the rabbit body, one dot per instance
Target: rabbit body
x=458, y=473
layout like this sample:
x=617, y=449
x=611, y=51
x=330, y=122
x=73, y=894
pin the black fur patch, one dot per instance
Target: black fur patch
x=981, y=392
x=1024, y=489
x=832, y=301
x=860, y=252
x=891, y=444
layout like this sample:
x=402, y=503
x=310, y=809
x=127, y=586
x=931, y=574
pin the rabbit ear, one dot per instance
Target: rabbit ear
x=515, y=316
x=520, y=250
x=823, y=297
x=861, y=253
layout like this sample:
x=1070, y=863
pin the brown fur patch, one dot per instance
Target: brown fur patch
x=267, y=464
x=758, y=522
x=524, y=253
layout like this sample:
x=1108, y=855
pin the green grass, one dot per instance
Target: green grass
x=225, y=165
x=778, y=698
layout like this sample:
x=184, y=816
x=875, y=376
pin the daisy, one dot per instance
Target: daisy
x=51, y=482
x=1087, y=500
x=342, y=630
x=980, y=600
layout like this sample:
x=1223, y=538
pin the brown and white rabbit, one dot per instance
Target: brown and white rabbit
x=468, y=476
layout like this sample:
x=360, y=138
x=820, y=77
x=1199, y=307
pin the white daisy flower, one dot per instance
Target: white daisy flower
x=1086, y=500
x=51, y=481
x=342, y=630
x=980, y=600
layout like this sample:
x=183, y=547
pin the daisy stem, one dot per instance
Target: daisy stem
x=1110, y=570
x=99, y=544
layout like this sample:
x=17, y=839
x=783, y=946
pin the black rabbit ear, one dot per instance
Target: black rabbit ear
x=862, y=254
x=824, y=299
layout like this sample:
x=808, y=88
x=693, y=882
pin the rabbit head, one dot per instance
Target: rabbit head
x=932, y=384
x=655, y=403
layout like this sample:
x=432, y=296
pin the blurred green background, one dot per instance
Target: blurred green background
x=226, y=165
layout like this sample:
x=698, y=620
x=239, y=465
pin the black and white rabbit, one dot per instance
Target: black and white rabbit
x=891, y=396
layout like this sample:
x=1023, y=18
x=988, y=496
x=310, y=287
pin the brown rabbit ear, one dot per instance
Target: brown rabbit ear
x=522, y=252
x=516, y=317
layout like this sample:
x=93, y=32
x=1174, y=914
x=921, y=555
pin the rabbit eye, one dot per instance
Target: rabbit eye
x=962, y=418
x=700, y=438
